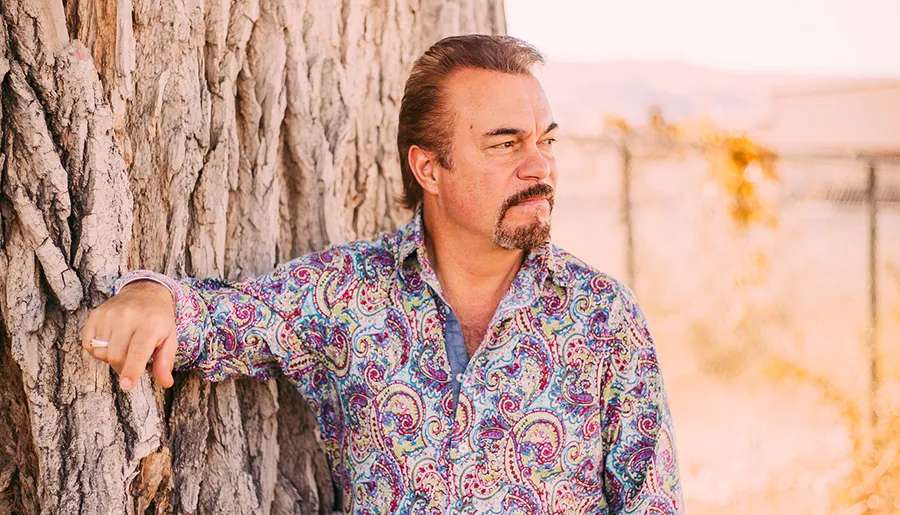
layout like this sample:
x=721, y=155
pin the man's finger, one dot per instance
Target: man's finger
x=117, y=350
x=99, y=353
x=139, y=351
x=89, y=334
x=164, y=361
x=92, y=334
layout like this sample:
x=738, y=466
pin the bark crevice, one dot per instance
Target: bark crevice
x=18, y=457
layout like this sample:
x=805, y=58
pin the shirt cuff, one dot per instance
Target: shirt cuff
x=145, y=275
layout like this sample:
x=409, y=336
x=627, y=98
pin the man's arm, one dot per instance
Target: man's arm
x=221, y=329
x=640, y=470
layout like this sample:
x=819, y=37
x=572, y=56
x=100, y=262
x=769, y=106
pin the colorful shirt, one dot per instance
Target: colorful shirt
x=561, y=409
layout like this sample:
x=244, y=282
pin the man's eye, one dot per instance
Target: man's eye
x=505, y=144
x=550, y=141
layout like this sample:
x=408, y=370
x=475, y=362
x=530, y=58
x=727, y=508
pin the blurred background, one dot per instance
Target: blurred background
x=738, y=165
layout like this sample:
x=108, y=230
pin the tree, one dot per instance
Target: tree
x=192, y=138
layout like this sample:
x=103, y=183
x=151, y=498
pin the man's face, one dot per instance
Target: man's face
x=502, y=171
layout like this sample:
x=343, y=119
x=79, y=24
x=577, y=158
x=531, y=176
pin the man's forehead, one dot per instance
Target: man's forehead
x=483, y=98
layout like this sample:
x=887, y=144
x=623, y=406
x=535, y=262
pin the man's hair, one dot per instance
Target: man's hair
x=425, y=119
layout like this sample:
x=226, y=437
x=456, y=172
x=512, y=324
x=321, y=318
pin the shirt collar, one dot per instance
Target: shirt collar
x=412, y=238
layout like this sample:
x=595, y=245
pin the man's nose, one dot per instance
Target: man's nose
x=536, y=166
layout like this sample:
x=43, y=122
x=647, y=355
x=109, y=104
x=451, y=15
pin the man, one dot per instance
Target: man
x=462, y=364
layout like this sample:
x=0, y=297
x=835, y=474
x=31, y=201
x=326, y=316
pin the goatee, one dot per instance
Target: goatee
x=523, y=237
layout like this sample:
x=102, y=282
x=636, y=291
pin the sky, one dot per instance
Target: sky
x=833, y=37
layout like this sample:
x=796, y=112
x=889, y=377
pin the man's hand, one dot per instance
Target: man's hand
x=139, y=323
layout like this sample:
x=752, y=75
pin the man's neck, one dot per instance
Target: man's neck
x=474, y=275
x=467, y=266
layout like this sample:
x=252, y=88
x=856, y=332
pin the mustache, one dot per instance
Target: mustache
x=539, y=190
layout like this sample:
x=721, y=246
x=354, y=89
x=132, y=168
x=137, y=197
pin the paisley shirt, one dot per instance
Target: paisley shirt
x=561, y=410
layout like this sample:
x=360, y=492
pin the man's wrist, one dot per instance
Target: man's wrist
x=146, y=275
x=137, y=280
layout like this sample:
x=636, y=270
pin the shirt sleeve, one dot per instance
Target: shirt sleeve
x=640, y=468
x=281, y=320
x=293, y=319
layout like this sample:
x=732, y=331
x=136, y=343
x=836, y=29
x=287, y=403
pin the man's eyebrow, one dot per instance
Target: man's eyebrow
x=505, y=131
x=512, y=131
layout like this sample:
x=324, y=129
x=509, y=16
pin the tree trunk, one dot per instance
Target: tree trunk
x=190, y=137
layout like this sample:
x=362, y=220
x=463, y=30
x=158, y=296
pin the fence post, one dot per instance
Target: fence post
x=626, y=213
x=872, y=202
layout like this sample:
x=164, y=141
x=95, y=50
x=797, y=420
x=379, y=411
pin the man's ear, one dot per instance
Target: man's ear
x=425, y=167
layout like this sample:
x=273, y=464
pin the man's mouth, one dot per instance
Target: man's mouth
x=533, y=201
x=531, y=197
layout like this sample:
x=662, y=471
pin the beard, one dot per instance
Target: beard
x=523, y=236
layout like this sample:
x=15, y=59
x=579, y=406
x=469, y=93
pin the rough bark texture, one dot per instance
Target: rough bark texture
x=191, y=137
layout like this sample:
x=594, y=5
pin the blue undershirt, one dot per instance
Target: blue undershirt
x=456, y=353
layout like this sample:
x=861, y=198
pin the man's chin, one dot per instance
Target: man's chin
x=523, y=235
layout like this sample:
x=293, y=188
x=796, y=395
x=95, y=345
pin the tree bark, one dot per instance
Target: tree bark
x=191, y=137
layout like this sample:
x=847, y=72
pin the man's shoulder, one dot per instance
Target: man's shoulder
x=608, y=301
x=355, y=257
x=583, y=277
x=382, y=244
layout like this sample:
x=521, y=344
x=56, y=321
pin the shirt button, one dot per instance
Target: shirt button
x=459, y=378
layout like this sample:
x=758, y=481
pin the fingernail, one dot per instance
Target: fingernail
x=125, y=383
